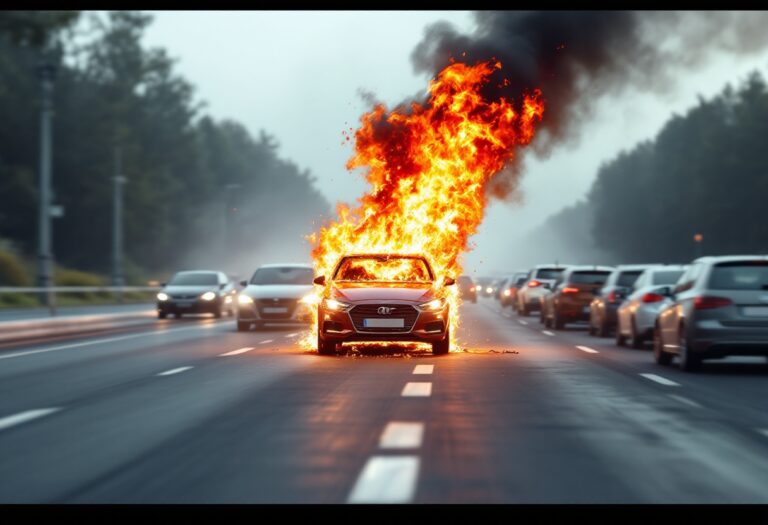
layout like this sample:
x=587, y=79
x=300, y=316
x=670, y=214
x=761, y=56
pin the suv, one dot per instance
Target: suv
x=383, y=298
x=602, y=309
x=718, y=308
x=529, y=293
x=572, y=293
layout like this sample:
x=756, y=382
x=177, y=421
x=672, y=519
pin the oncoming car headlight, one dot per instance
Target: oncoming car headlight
x=244, y=299
x=162, y=296
x=208, y=296
x=338, y=306
x=434, y=304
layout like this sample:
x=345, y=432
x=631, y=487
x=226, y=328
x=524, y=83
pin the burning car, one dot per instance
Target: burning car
x=383, y=298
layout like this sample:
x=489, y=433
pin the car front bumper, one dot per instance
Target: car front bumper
x=429, y=327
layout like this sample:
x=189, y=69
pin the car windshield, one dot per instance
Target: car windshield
x=627, y=279
x=667, y=276
x=742, y=275
x=383, y=269
x=548, y=273
x=520, y=281
x=194, y=279
x=589, y=277
x=283, y=275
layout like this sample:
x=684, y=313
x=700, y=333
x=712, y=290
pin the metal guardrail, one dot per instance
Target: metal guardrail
x=49, y=292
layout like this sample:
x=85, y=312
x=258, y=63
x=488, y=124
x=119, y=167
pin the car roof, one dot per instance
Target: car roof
x=663, y=267
x=200, y=271
x=590, y=267
x=554, y=266
x=714, y=259
x=630, y=267
x=286, y=265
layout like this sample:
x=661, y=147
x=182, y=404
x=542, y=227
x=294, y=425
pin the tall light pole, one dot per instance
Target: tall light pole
x=698, y=239
x=119, y=180
x=46, y=71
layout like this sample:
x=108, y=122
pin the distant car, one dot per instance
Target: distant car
x=508, y=290
x=196, y=292
x=491, y=288
x=602, y=309
x=529, y=293
x=636, y=316
x=718, y=308
x=572, y=293
x=274, y=294
x=378, y=297
x=467, y=288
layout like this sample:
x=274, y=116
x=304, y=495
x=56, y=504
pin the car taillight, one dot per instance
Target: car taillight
x=570, y=289
x=507, y=292
x=534, y=284
x=612, y=296
x=706, y=302
x=652, y=298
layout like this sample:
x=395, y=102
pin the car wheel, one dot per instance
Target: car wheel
x=177, y=315
x=524, y=311
x=325, y=347
x=162, y=315
x=217, y=313
x=442, y=347
x=635, y=340
x=592, y=330
x=661, y=357
x=243, y=326
x=689, y=361
x=602, y=331
x=558, y=321
x=620, y=339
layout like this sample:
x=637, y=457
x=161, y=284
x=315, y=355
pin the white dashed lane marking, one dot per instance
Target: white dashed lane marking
x=23, y=417
x=175, y=371
x=266, y=342
x=685, y=400
x=424, y=369
x=547, y=332
x=522, y=322
x=414, y=389
x=238, y=351
x=291, y=335
x=386, y=479
x=587, y=349
x=660, y=380
x=402, y=434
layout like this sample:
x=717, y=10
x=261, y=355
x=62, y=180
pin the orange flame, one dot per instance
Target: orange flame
x=428, y=169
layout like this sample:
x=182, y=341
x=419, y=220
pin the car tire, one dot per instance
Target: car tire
x=689, y=361
x=162, y=315
x=243, y=326
x=524, y=311
x=442, y=347
x=602, y=331
x=217, y=313
x=177, y=315
x=621, y=340
x=661, y=356
x=592, y=331
x=558, y=321
x=635, y=340
x=325, y=347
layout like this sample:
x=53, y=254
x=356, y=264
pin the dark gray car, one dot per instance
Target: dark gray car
x=197, y=292
x=602, y=309
x=719, y=308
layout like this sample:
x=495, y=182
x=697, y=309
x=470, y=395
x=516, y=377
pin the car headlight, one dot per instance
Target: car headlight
x=434, y=304
x=244, y=299
x=338, y=306
x=310, y=299
x=208, y=296
x=162, y=296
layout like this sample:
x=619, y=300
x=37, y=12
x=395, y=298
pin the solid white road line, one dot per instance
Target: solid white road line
x=547, y=332
x=266, y=342
x=101, y=341
x=424, y=369
x=175, y=371
x=660, y=380
x=23, y=417
x=238, y=351
x=685, y=400
x=522, y=322
x=402, y=434
x=587, y=349
x=386, y=479
x=414, y=389
x=291, y=335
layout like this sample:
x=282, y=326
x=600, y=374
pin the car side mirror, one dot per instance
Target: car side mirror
x=320, y=279
x=222, y=286
x=449, y=281
x=243, y=283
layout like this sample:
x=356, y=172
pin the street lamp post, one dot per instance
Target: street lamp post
x=118, y=279
x=46, y=71
x=698, y=239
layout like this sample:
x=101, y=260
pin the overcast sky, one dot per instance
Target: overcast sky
x=298, y=75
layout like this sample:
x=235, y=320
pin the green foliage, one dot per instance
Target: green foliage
x=69, y=277
x=13, y=271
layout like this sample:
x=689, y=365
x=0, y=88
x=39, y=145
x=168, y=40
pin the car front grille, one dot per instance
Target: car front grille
x=370, y=311
x=184, y=296
x=290, y=304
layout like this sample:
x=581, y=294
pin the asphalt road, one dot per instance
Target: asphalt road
x=165, y=415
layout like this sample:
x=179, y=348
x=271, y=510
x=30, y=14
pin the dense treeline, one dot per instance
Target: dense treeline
x=706, y=172
x=199, y=191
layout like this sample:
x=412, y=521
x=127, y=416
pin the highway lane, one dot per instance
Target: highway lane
x=194, y=411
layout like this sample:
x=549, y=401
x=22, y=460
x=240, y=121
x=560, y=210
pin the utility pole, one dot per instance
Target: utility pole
x=46, y=72
x=118, y=278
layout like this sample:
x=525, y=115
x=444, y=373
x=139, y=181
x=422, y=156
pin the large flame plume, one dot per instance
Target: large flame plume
x=428, y=169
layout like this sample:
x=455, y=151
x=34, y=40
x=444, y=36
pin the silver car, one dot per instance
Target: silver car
x=529, y=294
x=274, y=295
x=636, y=316
x=718, y=308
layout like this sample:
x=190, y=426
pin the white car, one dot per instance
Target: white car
x=273, y=295
x=540, y=279
x=636, y=316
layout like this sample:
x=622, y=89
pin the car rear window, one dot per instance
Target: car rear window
x=749, y=275
x=195, y=279
x=548, y=273
x=627, y=279
x=283, y=275
x=666, y=277
x=589, y=277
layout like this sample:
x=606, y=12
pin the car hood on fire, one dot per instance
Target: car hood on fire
x=277, y=291
x=382, y=292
